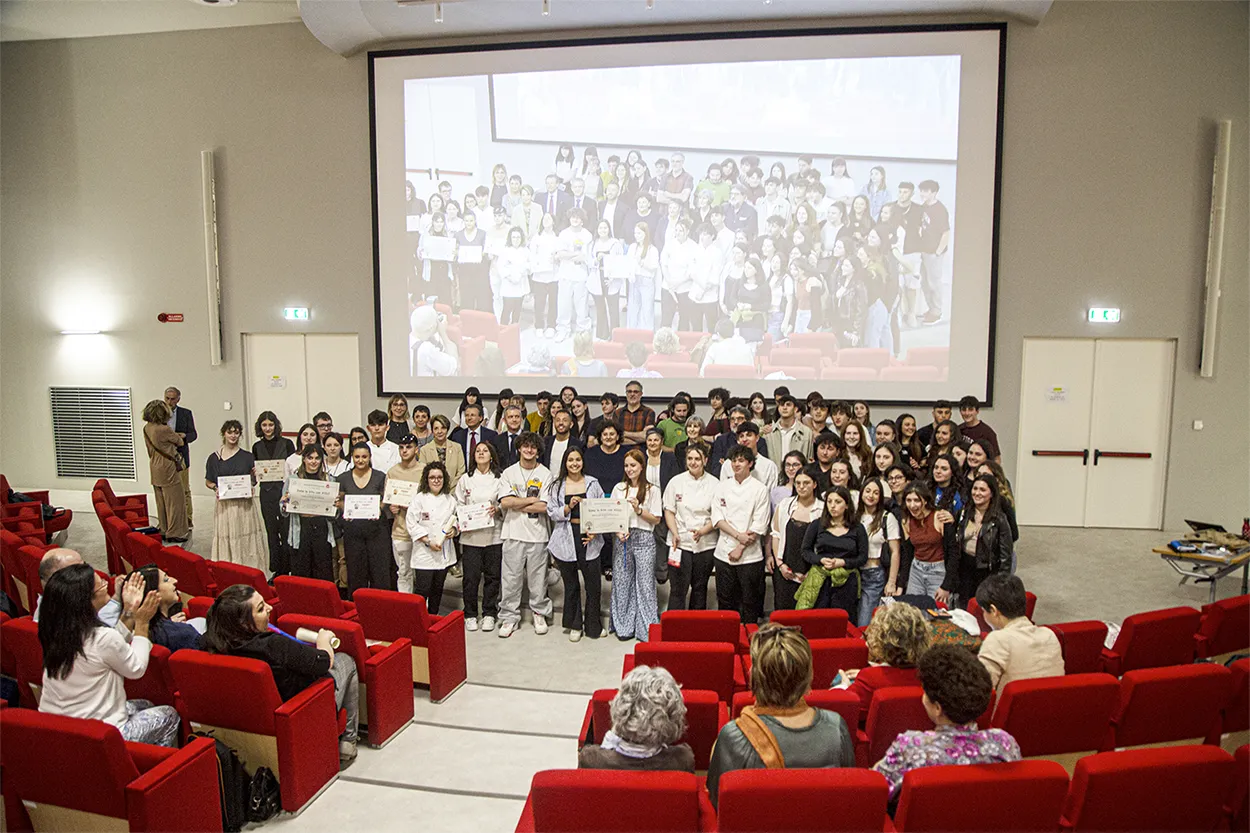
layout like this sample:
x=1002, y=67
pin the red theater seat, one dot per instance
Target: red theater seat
x=21, y=642
x=934, y=356
x=1061, y=719
x=826, y=343
x=611, y=801
x=1176, y=704
x=701, y=626
x=111, y=554
x=911, y=373
x=1236, y=723
x=133, y=509
x=673, y=370
x=1023, y=796
x=141, y=549
x=793, y=371
x=835, y=700
x=705, y=715
x=688, y=339
x=1224, y=628
x=312, y=597
x=438, y=654
x=39, y=497
x=385, y=672
x=848, y=374
x=475, y=323
x=1172, y=789
x=101, y=782
x=1082, y=644
x=709, y=666
x=752, y=800
x=808, y=357
x=1153, y=639
x=893, y=711
x=21, y=568
x=193, y=574
x=874, y=357
x=623, y=336
x=157, y=683
x=730, y=371
x=828, y=623
x=1030, y=605
x=227, y=574
x=1239, y=802
x=610, y=350
x=235, y=700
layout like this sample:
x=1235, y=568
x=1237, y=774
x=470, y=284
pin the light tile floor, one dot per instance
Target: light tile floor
x=466, y=764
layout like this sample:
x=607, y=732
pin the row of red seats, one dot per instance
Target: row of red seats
x=26, y=519
x=1183, y=788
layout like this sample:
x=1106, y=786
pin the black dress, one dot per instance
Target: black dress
x=367, y=543
x=852, y=547
x=279, y=448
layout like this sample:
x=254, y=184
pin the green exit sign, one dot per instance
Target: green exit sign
x=1104, y=315
x=295, y=313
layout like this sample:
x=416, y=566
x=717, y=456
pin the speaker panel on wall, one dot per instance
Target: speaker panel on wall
x=208, y=182
x=1215, y=249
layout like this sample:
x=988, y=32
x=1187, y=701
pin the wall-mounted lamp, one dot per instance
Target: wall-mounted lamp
x=80, y=332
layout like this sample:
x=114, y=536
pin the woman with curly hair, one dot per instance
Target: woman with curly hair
x=648, y=718
x=164, y=465
x=897, y=638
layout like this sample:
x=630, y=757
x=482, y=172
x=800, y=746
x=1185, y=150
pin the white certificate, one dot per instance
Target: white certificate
x=362, y=507
x=438, y=248
x=469, y=254
x=270, y=471
x=399, y=492
x=312, y=497
x=618, y=266
x=414, y=222
x=474, y=516
x=495, y=246
x=234, y=486
x=605, y=515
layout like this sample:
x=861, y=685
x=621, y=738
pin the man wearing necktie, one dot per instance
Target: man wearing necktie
x=556, y=202
x=586, y=204
x=474, y=432
x=505, y=443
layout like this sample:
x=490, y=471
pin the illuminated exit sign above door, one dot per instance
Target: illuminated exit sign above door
x=1104, y=315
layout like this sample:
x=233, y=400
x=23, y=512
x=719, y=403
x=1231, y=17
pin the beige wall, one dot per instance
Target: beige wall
x=1106, y=181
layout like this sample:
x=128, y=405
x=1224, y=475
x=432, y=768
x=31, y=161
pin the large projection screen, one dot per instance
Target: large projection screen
x=788, y=247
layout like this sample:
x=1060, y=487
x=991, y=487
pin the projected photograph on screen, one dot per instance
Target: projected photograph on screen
x=797, y=218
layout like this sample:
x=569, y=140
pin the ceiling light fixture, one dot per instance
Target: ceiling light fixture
x=80, y=332
x=650, y=5
x=438, y=12
x=546, y=7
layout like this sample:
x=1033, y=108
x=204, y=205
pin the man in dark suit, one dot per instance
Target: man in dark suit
x=614, y=209
x=559, y=443
x=475, y=433
x=183, y=423
x=585, y=203
x=726, y=440
x=555, y=202
x=506, y=441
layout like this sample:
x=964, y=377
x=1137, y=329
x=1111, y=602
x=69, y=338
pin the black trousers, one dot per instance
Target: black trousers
x=607, y=314
x=740, y=587
x=784, y=591
x=691, y=577
x=674, y=305
x=544, y=304
x=590, y=618
x=475, y=291
x=429, y=585
x=370, y=560
x=511, y=313
x=314, y=558
x=275, y=528
x=476, y=563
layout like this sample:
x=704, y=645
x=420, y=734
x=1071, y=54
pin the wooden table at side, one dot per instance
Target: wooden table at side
x=1208, y=568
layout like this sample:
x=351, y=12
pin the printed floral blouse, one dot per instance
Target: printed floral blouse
x=945, y=745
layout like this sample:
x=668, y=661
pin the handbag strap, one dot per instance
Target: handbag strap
x=761, y=739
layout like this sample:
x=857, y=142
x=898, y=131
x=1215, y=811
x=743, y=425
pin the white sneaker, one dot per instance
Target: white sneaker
x=470, y=624
x=549, y=332
x=488, y=623
x=506, y=629
x=540, y=625
x=575, y=636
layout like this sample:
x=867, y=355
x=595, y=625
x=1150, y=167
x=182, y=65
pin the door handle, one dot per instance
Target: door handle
x=1083, y=454
x=438, y=172
x=1123, y=455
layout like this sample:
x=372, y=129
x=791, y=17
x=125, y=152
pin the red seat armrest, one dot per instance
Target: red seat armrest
x=146, y=755
x=586, y=735
x=307, y=728
x=184, y=783
x=448, y=664
x=1111, y=662
x=627, y=665
x=655, y=632
x=40, y=495
x=197, y=606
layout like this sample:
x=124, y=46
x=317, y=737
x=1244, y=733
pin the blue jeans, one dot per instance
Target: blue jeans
x=926, y=578
x=872, y=582
x=774, y=326
x=640, y=314
x=877, y=328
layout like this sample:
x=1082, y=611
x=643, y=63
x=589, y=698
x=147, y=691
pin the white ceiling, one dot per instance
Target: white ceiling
x=48, y=19
x=347, y=26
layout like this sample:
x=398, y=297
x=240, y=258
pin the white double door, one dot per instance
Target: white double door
x=296, y=376
x=1095, y=416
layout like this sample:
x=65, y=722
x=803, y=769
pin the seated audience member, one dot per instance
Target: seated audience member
x=957, y=690
x=86, y=663
x=897, y=638
x=1016, y=649
x=648, y=718
x=59, y=558
x=780, y=730
x=238, y=625
x=168, y=631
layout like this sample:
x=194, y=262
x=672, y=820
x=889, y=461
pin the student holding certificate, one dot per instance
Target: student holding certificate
x=310, y=537
x=574, y=552
x=688, y=512
x=481, y=549
x=407, y=470
x=366, y=524
x=431, y=522
x=634, y=605
x=238, y=536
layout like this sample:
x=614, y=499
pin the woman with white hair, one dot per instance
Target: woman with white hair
x=433, y=353
x=648, y=718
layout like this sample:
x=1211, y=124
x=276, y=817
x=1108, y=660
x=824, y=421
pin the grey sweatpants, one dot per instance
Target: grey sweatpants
x=347, y=693
x=523, y=562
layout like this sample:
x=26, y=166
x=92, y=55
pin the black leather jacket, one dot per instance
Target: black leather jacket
x=993, y=546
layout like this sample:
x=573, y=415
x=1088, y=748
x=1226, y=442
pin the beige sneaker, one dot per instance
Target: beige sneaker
x=575, y=636
x=540, y=625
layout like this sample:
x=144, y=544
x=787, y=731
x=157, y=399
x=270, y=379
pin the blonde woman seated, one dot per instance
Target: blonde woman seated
x=780, y=730
x=897, y=637
x=648, y=718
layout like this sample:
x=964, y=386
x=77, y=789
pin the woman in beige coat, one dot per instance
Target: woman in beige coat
x=442, y=450
x=163, y=461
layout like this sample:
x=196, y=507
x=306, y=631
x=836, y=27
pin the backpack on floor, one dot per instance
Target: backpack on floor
x=235, y=786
